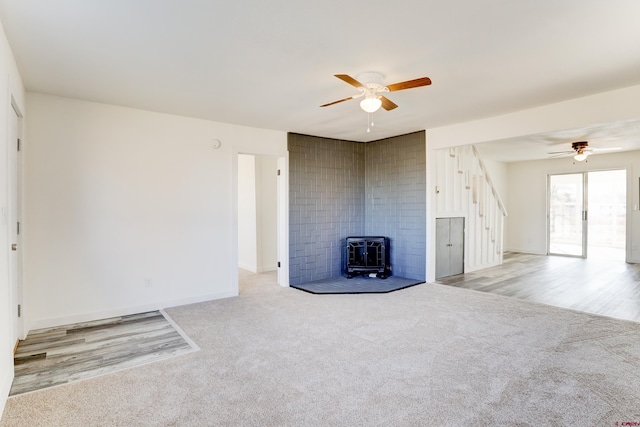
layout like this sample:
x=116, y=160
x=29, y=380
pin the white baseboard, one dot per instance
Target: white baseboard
x=526, y=251
x=265, y=268
x=251, y=268
x=124, y=311
x=481, y=267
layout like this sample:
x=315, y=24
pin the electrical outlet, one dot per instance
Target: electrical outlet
x=148, y=283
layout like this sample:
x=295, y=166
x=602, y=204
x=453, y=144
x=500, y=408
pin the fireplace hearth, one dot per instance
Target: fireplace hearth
x=367, y=255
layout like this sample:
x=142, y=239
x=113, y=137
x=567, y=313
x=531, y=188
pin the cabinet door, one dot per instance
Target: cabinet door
x=449, y=247
x=442, y=247
x=456, y=248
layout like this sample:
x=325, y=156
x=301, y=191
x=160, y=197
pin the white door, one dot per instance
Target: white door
x=13, y=219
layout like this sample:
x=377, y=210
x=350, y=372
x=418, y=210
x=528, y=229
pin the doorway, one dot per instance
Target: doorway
x=257, y=210
x=261, y=216
x=587, y=214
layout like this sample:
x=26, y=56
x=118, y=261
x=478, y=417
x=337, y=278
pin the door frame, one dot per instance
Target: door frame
x=282, y=214
x=583, y=222
x=14, y=172
x=585, y=215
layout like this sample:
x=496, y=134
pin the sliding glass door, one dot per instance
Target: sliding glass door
x=587, y=213
x=567, y=215
x=607, y=209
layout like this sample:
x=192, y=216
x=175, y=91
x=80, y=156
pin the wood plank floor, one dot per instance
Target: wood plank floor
x=54, y=356
x=608, y=288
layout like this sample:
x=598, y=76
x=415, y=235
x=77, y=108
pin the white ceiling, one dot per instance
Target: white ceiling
x=270, y=64
x=603, y=138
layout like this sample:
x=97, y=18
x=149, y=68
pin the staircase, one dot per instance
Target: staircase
x=464, y=189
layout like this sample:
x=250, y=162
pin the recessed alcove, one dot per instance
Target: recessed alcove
x=341, y=188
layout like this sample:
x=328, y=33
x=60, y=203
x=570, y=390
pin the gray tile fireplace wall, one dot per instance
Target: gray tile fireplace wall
x=395, y=200
x=326, y=203
x=343, y=188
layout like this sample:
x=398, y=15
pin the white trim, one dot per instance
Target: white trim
x=283, y=221
x=194, y=346
x=251, y=268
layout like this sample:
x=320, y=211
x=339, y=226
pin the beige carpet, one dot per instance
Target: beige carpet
x=429, y=355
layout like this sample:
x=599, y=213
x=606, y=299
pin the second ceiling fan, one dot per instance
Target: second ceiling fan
x=580, y=150
x=371, y=87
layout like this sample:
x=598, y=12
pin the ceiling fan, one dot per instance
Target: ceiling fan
x=581, y=150
x=371, y=87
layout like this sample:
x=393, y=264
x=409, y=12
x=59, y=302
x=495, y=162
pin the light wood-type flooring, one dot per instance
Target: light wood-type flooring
x=608, y=288
x=54, y=356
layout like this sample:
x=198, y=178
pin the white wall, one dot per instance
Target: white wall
x=247, y=214
x=464, y=191
x=498, y=173
x=129, y=210
x=527, y=194
x=267, y=212
x=11, y=88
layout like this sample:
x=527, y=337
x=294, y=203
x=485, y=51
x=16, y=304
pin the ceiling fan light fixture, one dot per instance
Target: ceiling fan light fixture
x=371, y=104
x=582, y=155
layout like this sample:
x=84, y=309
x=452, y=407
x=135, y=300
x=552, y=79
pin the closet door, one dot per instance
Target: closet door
x=442, y=247
x=456, y=250
x=449, y=247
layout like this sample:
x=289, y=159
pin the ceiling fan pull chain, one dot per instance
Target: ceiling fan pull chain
x=369, y=123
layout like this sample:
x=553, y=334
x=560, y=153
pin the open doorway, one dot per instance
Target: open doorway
x=257, y=213
x=587, y=214
x=263, y=206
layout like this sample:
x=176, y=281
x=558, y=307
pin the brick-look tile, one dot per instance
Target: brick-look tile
x=341, y=188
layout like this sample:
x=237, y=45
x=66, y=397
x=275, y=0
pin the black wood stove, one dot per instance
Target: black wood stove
x=366, y=255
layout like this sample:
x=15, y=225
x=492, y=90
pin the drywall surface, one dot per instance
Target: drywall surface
x=267, y=213
x=128, y=210
x=247, y=215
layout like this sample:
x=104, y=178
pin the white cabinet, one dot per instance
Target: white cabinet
x=449, y=246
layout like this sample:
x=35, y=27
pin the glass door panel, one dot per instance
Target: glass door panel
x=567, y=234
x=607, y=209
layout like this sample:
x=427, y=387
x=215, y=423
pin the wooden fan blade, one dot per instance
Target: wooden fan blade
x=387, y=104
x=423, y=81
x=349, y=79
x=335, y=102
